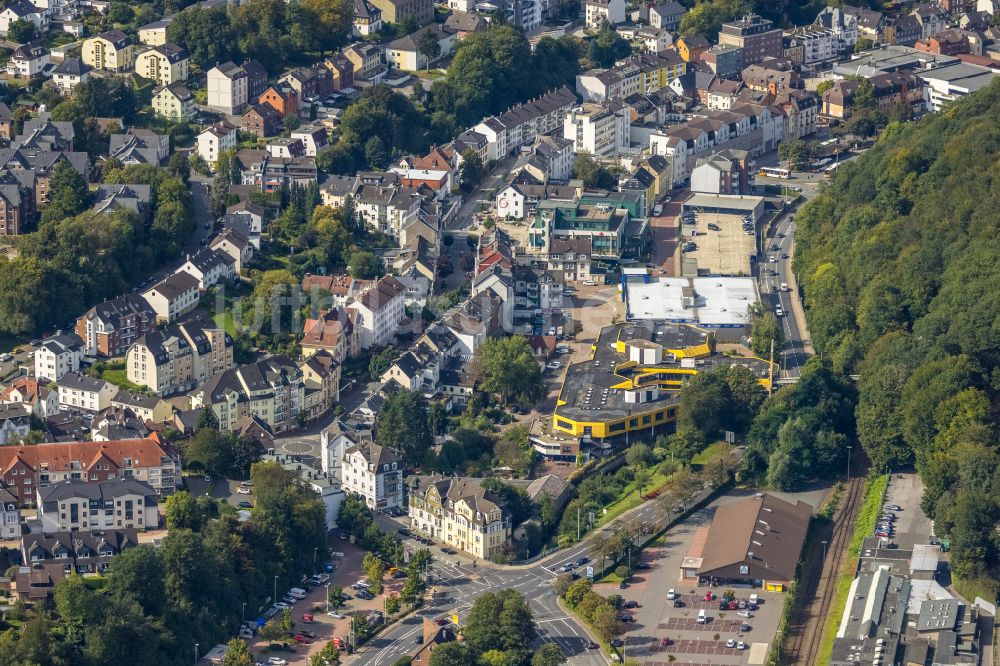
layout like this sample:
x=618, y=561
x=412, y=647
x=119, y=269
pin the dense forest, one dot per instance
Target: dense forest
x=898, y=260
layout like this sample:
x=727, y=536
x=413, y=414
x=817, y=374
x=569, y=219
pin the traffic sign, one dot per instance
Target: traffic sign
x=590, y=572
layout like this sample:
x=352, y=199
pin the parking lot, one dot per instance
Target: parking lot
x=688, y=640
x=912, y=524
x=723, y=248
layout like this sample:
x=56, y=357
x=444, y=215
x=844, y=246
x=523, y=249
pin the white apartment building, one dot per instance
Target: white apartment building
x=520, y=125
x=599, y=129
x=598, y=11
x=81, y=393
x=376, y=473
x=380, y=310
x=175, y=296
x=214, y=139
x=818, y=44
x=228, y=88
x=57, y=356
x=209, y=267
x=10, y=515
x=79, y=504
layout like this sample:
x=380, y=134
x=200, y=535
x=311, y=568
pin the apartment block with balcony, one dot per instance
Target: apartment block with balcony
x=376, y=473
x=112, y=51
x=79, y=505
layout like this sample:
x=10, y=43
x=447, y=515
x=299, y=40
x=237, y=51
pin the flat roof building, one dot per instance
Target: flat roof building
x=709, y=302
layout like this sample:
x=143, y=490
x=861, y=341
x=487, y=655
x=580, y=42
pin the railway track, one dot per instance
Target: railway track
x=820, y=580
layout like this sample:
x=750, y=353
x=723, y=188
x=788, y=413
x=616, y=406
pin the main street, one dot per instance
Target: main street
x=457, y=581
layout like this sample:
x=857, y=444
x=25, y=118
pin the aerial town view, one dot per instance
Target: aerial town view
x=499, y=332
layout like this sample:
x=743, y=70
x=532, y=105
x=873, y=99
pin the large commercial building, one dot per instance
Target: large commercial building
x=630, y=384
x=755, y=541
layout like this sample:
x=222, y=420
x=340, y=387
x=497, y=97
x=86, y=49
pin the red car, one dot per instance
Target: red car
x=708, y=596
x=442, y=621
x=299, y=638
x=733, y=605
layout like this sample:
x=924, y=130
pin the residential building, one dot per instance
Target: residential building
x=843, y=23
x=174, y=296
x=656, y=40
x=464, y=23
x=405, y=54
x=139, y=146
x=599, y=11
x=163, y=64
x=210, y=267
x=801, y=109
x=282, y=98
x=28, y=61
x=78, y=505
x=149, y=408
x=22, y=10
x=393, y=11
x=271, y=390
x=461, y=514
x=112, y=51
x=725, y=60
x=17, y=203
x=70, y=73
x=601, y=130
x=888, y=90
x=772, y=76
x=109, y=328
x=520, y=125
x=262, y=120
x=321, y=378
x=818, y=44
x=367, y=60
x=334, y=332
x=376, y=473
x=667, y=16
x=313, y=138
x=754, y=34
x=726, y=172
x=341, y=71
x=608, y=219
x=80, y=393
x=32, y=394
x=179, y=357
x=227, y=87
x=133, y=198
x=690, y=47
x=58, y=355
x=931, y=17
x=216, y=138
x=642, y=74
x=248, y=220
x=10, y=515
x=380, y=310
x=153, y=460
x=907, y=30
x=572, y=257
x=54, y=556
x=367, y=18
x=15, y=423
x=174, y=102
x=946, y=42
x=155, y=33
x=309, y=83
x=286, y=147
x=237, y=246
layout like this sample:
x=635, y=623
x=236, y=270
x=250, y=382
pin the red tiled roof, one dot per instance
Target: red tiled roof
x=146, y=452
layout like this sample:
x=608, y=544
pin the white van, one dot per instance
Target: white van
x=754, y=598
x=701, y=617
x=297, y=592
x=671, y=594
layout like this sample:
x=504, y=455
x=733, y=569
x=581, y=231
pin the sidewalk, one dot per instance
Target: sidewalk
x=797, y=308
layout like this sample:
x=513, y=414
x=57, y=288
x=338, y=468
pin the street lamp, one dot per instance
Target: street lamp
x=849, y=463
x=243, y=613
x=275, y=589
x=315, y=550
x=824, y=551
x=196, y=653
x=327, y=597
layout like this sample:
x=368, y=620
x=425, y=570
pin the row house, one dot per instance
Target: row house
x=74, y=552
x=519, y=126
x=80, y=393
x=58, y=355
x=375, y=473
x=751, y=127
x=179, y=357
x=33, y=395
x=271, y=390
x=571, y=256
x=76, y=505
x=232, y=87
x=368, y=62
x=645, y=73
x=460, y=513
x=10, y=515
x=772, y=76
x=321, y=374
x=152, y=460
x=341, y=72
x=282, y=98
x=931, y=17
x=149, y=408
x=843, y=24
x=309, y=83
x=108, y=329
x=801, y=111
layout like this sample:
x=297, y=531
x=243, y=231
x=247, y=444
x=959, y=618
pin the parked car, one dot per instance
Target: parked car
x=448, y=551
x=731, y=643
x=745, y=627
x=671, y=594
x=616, y=642
x=276, y=661
x=740, y=645
x=642, y=565
x=714, y=227
x=302, y=639
x=243, y=490
x=893, y=507
x=630, y=604
x=665, y=642
x=623, y=585
x=245, y=504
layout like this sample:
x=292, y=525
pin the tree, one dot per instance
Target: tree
x=21, y=31
x=211, y=451
x=403, y=424
x=471, y=171
x=374, y=569
x=452, y=654
x=638, y=455
x=182, y=512
x=429, y=46
x=608, y=46
x=794, y=151
x=274, y=630
x=499, y=620
x=765, y=329
x=246, y=450
x=823, y=86
x=237, y=654
x=863, y=44
x=505, y=366
x=68, y=193
x=592, y=174
x=364, y=265
x=605, y=621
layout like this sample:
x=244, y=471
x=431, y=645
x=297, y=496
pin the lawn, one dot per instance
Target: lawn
x=714, y=452
x=631, y=499
x=117, y=376
x=976, y=587
x=863, y=526
x=225, y=320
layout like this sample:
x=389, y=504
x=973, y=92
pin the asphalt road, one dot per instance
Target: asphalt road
x=459, y=581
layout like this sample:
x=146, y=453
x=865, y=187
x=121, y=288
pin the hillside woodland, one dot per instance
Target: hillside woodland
x=898, y=260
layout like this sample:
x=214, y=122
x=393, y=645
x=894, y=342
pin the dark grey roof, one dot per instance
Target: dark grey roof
x=103, y=491
x=60, y=344
x=132, y=399
x=78, y=544
x=80, y=382
x=72, y=67
x=176, y=284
